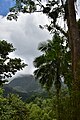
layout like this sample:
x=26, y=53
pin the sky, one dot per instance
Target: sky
x=5, y=5
x=25, y=34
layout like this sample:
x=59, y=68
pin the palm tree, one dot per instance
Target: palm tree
x=53, y=65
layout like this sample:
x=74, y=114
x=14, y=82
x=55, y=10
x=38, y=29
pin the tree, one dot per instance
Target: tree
x=42, y=109
x=74, y=38
x=66, y=10
x=53, y=65
x=12, y=108
x=8, y=66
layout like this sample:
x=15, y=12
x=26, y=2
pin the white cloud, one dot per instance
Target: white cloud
x=25, y=35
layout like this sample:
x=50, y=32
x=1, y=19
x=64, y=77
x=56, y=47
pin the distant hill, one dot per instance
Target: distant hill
x=24, y=85
x=27, y=87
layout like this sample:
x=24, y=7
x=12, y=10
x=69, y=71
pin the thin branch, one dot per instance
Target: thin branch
x=61, y=30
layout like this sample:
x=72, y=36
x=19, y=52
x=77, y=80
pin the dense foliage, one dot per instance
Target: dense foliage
x=54, y=64
x=54, y=67
x=8, y=66
x=56, y=10
x=13, y=108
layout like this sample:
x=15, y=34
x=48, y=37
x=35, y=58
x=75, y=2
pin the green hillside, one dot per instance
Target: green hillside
x=25, y=84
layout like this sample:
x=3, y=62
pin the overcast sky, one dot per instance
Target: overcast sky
x=25, y=35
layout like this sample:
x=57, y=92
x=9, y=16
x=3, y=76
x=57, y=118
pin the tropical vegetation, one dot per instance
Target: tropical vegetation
x=57, y=61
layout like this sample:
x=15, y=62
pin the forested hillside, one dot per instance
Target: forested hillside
x=25, y=83
x=25, y=86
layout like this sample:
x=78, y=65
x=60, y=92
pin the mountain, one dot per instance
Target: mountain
x=25, y=86
x=24, y=96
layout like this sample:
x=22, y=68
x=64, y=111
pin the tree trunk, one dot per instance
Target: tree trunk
x=58, y=88
x=75, y=51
